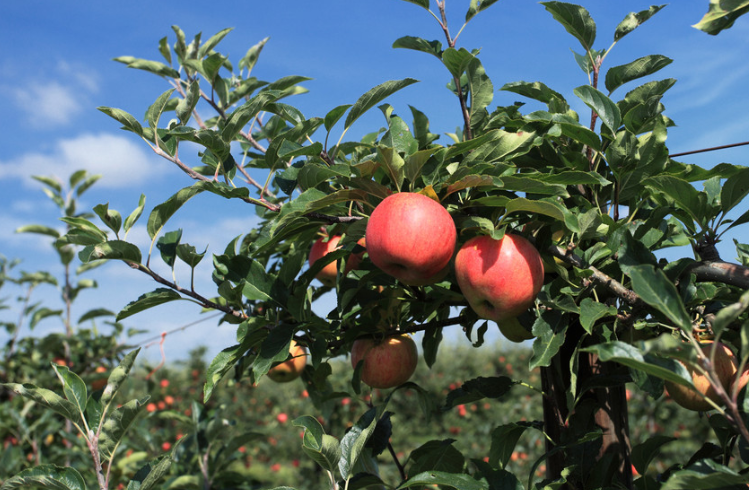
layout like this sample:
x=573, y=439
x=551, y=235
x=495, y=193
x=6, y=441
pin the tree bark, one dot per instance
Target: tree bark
x=602, y=406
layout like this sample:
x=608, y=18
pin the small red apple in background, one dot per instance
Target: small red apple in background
x=99, y=383
x=725, y=367
x=499, y=278
x=411, y=237
x=291, y=369
x=282, y=418
x=322, y=247
x=388, y=363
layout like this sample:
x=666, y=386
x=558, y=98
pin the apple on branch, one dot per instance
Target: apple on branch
x=411, y=237
x=292, y=368
x=325, y=245
x=725, y=366
x=500, y=279
x=387, y=363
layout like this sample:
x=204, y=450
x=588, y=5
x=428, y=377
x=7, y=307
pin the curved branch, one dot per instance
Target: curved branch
x=205, y=302
x=724, y=272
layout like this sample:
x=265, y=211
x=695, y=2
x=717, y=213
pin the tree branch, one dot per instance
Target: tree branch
x=723, y=272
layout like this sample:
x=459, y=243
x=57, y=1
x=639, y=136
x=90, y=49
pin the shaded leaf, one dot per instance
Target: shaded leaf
x=633, y=20
x=416, y=43
x=458, y=481
x=156, y=297
x=721, y=14
x=658, y=291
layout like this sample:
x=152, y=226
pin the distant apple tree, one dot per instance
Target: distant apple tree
x=597, y=195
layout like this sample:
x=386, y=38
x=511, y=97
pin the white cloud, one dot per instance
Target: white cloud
x=48, y=104
x=123, y=161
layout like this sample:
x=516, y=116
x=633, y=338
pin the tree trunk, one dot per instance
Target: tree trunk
x=602, y=406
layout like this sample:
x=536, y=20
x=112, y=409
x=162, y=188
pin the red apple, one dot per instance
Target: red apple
x=324, y=246
x=291, y=369
x=499, y=278
x=725, y=367
x=411, y=237
x=388, y=363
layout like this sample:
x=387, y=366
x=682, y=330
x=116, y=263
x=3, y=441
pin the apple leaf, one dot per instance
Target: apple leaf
x=47, y=476
x=477, y=389
x=550, y=330
x=576, y=20
x=324, y=449
x=453, y=480
x=643, y=453
x=375, y=96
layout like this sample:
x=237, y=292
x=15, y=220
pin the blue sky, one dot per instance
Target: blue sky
x=57, y=68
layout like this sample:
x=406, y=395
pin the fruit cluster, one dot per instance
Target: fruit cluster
x=413, y=238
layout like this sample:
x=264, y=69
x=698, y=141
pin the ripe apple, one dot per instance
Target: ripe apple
x=291, y=369
x=513, y=330
x=388, y=363
x=411, y=237
x=725, y=367
x=324, y=246
x=499, y=278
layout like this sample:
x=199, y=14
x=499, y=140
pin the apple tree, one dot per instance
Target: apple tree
x=595, y=198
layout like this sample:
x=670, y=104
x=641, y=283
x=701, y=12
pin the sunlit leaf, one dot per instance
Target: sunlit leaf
x=632, y=21
x=47, y=476
x=374, y=96
x=647, y=65
x=576, y=20
x=606, y=109
x=721, y=15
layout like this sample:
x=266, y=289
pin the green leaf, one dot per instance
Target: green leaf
x=550, y=330
x=154, y=67
x=161, y=213
x=128, y=121
x=703, y=475
x=334, y=115
x=576, y=20
x=504, y=439
x=46, y=398
x=156, y=297
x=40, y=314
x=647, y=65
x=658, y=291
x=154, y=112
x=149, y=475
x=352, y=444
x=39, y=229
x=480, y=90
x=734, y=190
x=116, y=425
x=189, y=255
x=630, y=356
x=95, y=313
x=245, y=113
x=167, y=245
x=113, y=249
x=547, y=208
x=634, y=20
x=418, y=44
x=187, y=105
x=458, y=481
x=457, y=60
x=133, y=217
x=477, y=6
x=643, y=453
x=47, y=476
x=437, y=456
x=721, y=14
x=420, y=3
x=477, y=389
x=536, y=91
x=591, y=311
x=375, y=96
x=213, y=41
x=110, y=217
x=322, y=448
x=118, y=376
x=606, y=109
x=73, y=386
